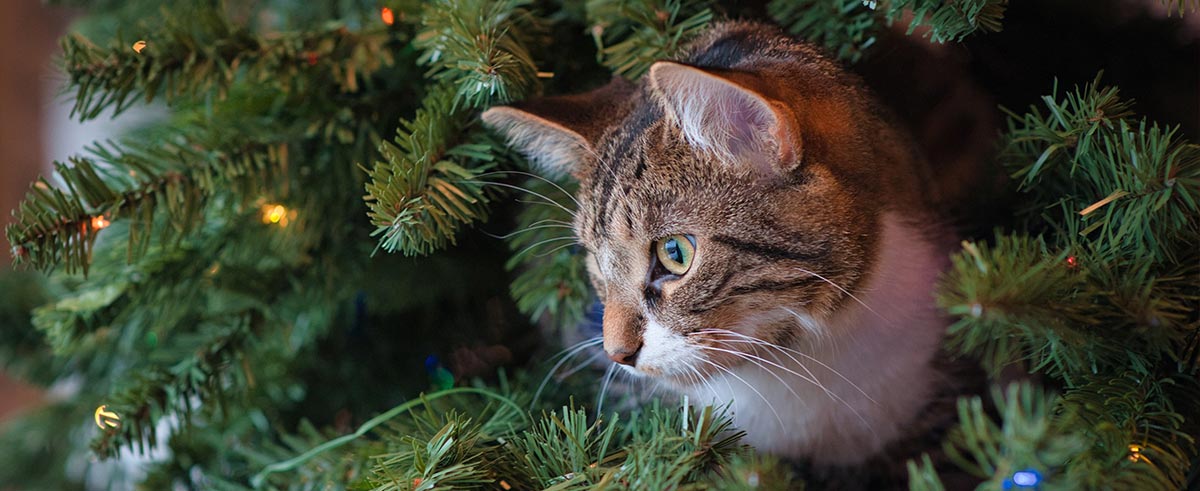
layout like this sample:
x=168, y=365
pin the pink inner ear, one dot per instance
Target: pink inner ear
x=749, y=123
x=719, y=116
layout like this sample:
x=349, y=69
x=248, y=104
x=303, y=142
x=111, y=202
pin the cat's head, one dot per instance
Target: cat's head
x=727, y=200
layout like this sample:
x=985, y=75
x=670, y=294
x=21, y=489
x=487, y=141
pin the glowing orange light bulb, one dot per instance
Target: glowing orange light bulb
x=99, y=222
x=388, y=17
x=274, y=214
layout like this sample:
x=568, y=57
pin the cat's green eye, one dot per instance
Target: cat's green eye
x=675, y=252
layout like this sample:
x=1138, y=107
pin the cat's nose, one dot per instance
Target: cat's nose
x=625, y=356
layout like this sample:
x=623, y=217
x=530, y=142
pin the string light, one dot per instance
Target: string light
x=388, y=17
x=99, y=222
x=1024, y=479
x=104, y=417
x=276, y=214
x=1135, y=453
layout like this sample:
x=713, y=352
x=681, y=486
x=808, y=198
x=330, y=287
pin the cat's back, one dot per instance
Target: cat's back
x=920, y=91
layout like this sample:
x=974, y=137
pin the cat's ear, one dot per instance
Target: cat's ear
x=721, y=112
x=559, y=134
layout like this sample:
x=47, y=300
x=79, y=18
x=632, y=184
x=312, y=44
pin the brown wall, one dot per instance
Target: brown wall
x=28, y=42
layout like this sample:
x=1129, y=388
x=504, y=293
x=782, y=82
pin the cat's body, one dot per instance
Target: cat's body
x=761, y=233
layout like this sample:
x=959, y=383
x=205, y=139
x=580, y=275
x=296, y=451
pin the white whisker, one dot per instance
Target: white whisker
x=847, y=292
x=608, y=375
x=552, y=239
x=569, y=353
x=758, y=360
x=556, y=249
x=803, y=354
x=535, y=176
x=519, y=188
x=527, y=229
x=751, y=387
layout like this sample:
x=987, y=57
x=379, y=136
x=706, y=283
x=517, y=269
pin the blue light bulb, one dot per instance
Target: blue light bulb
x=1028, y=478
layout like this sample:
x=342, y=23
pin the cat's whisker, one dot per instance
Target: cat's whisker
x=582, y=344
x=608, y=376
x=559, y=248
x=694, y=374
x=758, y=361
x=799, y=353
x=581, y=366
x=812, y=329
x=535, y=176
x=751, y=387
x=569, y=353
x=755, y=342
x=519, y=188
x=546, y=241
x=530, y=228
x=847, y=293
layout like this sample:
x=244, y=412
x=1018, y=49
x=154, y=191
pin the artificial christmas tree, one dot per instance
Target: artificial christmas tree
x=215, y=297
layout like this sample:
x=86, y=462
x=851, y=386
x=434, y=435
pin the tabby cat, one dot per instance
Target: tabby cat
x=762, y=233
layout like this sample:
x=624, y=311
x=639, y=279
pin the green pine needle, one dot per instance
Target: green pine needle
x=195, y=52
x=848, y=28
x=478, y=46
x=630, y=36
x=551, y=280
x=428, y=185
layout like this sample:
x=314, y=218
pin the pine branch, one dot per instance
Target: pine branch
x=153, y=394
x=1026, y=441
x=447, y=459
x=1181, y=6
x=949, y=20
x=632, y=35
x=1136, y=434
x=552, y=279
x=844, y=27
x=478, y=46
x=847, y=28
x=563, y=449
x=174, y=174
x=1128, y=188
x=923, y=476
x=751, y=472
x=429, y=184
x=197, y=52
x=659, y=459
x=1016, y=301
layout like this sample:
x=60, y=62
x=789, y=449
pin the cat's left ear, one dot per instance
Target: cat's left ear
x=722, y=112
x=559, y=134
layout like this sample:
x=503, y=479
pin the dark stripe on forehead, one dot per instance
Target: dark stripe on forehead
x=623, y=150
x=771, y=251
x=727, y=51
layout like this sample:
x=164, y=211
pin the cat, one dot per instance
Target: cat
x=762, y=233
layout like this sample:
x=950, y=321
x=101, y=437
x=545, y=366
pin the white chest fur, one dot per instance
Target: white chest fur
x=868, y=374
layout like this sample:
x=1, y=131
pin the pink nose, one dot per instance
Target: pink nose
x=625, y=356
